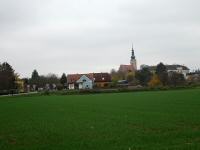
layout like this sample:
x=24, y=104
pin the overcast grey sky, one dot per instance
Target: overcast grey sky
x=79, y=36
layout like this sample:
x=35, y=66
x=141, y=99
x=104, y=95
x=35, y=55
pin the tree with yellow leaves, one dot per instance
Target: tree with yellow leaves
x=155, y=81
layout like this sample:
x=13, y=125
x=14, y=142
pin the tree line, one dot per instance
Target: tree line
x=144, y=77
x=9, y=84
x=41, y=81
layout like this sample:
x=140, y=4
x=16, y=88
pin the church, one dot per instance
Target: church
x=132, y=67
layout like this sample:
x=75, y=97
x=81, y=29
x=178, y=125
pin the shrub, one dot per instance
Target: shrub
x=155, y=81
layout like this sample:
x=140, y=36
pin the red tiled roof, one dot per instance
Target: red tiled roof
x=96, y=77
x=126, y=68
x=102, y=77
x=72, y=78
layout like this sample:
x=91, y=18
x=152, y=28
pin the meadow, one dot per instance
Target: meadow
x=160, y=120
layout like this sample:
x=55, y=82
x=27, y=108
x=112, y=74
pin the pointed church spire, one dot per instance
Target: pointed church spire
x=133, y=61
x=133, y=54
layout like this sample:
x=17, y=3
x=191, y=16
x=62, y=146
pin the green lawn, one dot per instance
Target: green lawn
x=164, y=120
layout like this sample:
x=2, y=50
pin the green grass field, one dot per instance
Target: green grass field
x=164, y=120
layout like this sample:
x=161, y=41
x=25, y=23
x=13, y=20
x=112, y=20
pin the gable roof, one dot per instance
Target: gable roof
x=175, y=67
x=96, y=77
x=126, y=68
x=102, y=77
x=72, y=78
x=83, y=77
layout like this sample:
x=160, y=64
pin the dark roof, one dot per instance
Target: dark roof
x=102, y=77
x=174, y=67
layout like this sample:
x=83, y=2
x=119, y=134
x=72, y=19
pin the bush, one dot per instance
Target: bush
x=60, y=87
x=118, y=90
x=46, y=92
x=155, y=81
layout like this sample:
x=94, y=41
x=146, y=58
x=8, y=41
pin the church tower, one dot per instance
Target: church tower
x=133, y=61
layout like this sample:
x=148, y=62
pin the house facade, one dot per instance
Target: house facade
x=73, y=78
x=99, y=80
x=84, y=83
x=20, y=84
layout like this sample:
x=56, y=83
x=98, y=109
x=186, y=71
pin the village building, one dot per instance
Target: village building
x=170, y=68
x=20, y=84
x=73, y=78
x=84, y=83
x=132, y=67
x=97, y=80
x=101, y=80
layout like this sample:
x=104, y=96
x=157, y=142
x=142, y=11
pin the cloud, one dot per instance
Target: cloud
x=91, y=35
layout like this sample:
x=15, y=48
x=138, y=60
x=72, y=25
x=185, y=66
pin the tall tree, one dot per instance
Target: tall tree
x=52, y=79
x=35, y=77
x=7, y=77
x=143, y=76
x=162, y=74
x=63, y=79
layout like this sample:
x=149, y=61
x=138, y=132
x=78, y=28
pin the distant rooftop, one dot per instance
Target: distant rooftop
x=169, y=67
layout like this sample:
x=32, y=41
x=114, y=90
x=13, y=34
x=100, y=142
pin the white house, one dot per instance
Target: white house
x=84, y=82
x=170, y=68
x=71, y=86
x=73, y=78
x=178, y=69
